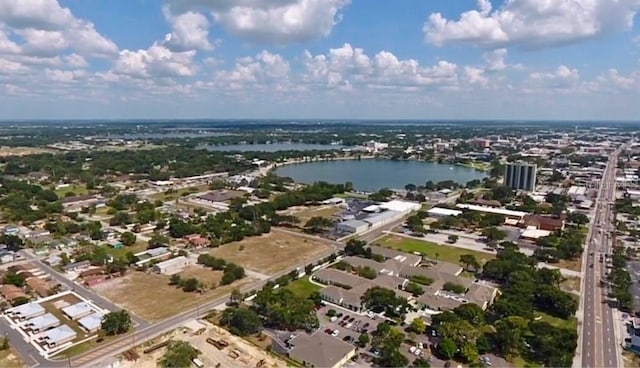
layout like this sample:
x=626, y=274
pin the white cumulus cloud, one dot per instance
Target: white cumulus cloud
x=269, y=21
x=532, y=23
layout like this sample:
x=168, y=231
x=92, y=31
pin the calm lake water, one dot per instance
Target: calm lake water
x=372, y=175
x=273, y=147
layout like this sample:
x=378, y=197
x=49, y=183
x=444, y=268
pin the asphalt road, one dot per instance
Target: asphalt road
x=599, y=345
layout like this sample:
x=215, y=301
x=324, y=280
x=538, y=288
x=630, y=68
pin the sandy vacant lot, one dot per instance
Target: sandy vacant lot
x=150, y=296
x=304, y=213
x=250, y=355
x=23, y=151
x=272, y=253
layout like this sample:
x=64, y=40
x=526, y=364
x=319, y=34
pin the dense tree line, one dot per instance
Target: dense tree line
x=284, y=310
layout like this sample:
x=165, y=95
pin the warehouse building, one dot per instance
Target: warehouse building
x=353, y=227
x=443, y=212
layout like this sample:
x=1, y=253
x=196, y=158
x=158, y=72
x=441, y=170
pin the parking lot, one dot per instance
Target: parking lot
x=346, y=323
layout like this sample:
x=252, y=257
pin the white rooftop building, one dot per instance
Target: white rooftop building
x=401, y=206
x=92, y=322
x=172, y=266
x=499, y=211
x=42, y=322
x=443, y=212
x=27, y=311
x=57, y=336
x=78, y=310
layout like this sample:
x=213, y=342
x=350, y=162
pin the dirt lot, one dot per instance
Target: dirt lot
x=273, y=252
x=23, y=151
x=250, y=355
x=305, y=213
x=140, y=293
x=10, y=359
x=205, y=275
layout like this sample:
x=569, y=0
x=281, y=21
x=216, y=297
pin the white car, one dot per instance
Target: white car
x=412, y=349
x=333, y=319
x=420, y=345
x=417, y=352
x=335, y=333
x=348, y=325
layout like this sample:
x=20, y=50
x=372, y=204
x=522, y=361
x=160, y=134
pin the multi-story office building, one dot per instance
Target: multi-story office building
x=520, y=176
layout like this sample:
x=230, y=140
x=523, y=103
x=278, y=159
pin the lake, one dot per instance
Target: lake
x=273, y=147
x=373, y=175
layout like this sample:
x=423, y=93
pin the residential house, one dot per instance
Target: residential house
x=39, y=286
x=11, y=292
x=172, y=266
x=76, y=266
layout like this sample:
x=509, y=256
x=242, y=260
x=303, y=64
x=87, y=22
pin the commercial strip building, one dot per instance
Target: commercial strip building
x=377, y=215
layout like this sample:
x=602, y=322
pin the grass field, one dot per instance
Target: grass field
x=303, y=287
x=205, y=275
x=273, y=252
x=431, y=250
x=571, y=323
x=78, y=189
x=151, y=297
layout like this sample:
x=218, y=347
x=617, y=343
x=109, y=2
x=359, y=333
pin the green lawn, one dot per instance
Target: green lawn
x=571, y=323
x=431, y=250
x=303, y=287
x=78, y=189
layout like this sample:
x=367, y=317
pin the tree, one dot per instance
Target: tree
x=232, y=273
x=179, y=354
x=158, y=240
x=128, y=238
x=410, y=187
x=447, y=348
x=510, y=333
x=493, y=235
x=191, y=284
x=115, y=323
x=14, y=279
x=175, y=280
x=357, y=248
x=235, y=297
x=471, y=313
x=578, y=218
x=13, y=242
x=470, y=261
x=380, y=299
x=418, y=326
x=414, y=289
x=318, y=224
x=420, y=363
x=363, y=339
x=241, y=321
x=454, y=287
x=453, y=238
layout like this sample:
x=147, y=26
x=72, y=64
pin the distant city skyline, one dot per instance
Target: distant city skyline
x=313, y=59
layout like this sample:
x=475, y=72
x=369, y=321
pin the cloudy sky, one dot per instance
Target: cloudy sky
x=409, y=59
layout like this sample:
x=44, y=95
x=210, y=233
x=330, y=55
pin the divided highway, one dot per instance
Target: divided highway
x=599, y=346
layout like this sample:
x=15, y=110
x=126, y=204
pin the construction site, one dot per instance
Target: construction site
x=218, y=348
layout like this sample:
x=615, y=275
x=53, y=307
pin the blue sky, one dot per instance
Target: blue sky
x=407, y=59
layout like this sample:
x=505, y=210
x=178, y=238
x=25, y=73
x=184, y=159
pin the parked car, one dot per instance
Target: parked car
x=335, y=333
x=328, y=330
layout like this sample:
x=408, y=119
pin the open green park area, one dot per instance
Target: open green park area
x=431, y=250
